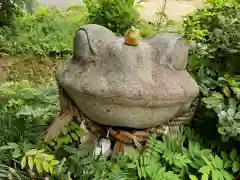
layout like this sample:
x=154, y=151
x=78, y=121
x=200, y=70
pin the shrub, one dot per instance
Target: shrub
x=146, y=30
x=214, y=36
x=25, y=110
x=50, y=31
x=116, y=15
x=9, y=9
x=214, y=33
x=47, y=32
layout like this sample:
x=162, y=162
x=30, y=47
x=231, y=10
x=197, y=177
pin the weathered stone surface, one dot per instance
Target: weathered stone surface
x=128, y=86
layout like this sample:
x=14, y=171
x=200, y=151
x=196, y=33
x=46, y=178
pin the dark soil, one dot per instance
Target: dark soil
x=3, y=68
x=28, y=68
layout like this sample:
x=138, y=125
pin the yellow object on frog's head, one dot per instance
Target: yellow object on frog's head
x=132, y=36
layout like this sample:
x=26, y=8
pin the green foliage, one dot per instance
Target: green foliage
x=146, y=30
x=34, y=69
x=47, y=32
x=213, y=33
x=25, y=110
x=43, y=162
x=70, y=135
x=13, y=147
x=226, y=104
x=180, y=155
x=50, y=31
x=11, y=173
x=183, y=158
x=9, y=9
x=117, y=15
x=83, y=165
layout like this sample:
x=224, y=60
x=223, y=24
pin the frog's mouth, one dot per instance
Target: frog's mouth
x=74, y=94
x=130, y=114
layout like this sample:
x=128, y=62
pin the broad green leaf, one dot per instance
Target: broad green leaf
x=23, y=162
x=80, y=133
x=16, y=153
x=206, y=152
x=216, y=175
x=209, y=163
x=131, y=152
x=233, y=104
x=38, y=163
x=218, y=162
x=213, y=161
x=131, y=166
x=70, y=149
x=190, y=148
x=193, y=177
x=74, y=136
x=73, y=126
x=54, y=162
x=196, y=147
x=236, y=90
x=31, y=152
x=235, y=166
x=233, y=154
x=9, y=146
x=217, y=95
x=219, y=108
x=204, y=177
x=5, y=147
x=49, y=157
x=230, y=112
x=222, y=79
x=226, y=175
x=13, y=145
x=50, y=169
x=115, y=168
x=66, y=139
x=40, y=155
x=222, y=131
x=40, y=151
x=237, y=115
x=224, y=155
x=30, y=162
x=205, y=170
x=223, y=114
x=45, y=166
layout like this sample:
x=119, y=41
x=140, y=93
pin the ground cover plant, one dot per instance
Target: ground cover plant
x=214, y=35
x=46, y=32
x=50, y=31
x=29, y=100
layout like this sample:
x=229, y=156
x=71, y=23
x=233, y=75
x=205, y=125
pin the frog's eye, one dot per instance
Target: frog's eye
x=81, y=46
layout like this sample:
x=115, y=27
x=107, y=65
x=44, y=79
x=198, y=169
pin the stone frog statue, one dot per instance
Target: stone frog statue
x=115, y=84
